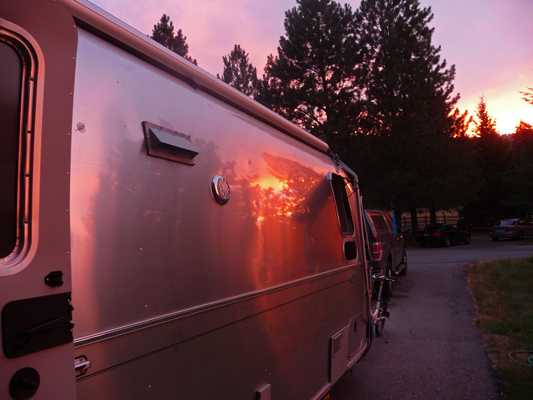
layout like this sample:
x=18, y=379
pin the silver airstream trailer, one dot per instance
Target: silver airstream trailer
x=162, y=235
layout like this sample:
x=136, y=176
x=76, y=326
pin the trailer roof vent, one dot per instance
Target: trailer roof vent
x=169, y=144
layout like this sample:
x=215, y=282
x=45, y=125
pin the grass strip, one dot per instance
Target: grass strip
x=503, y=292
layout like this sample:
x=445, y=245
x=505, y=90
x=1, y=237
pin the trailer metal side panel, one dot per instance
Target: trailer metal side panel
x=286, y=347
x=151, y=247
x=142, y=223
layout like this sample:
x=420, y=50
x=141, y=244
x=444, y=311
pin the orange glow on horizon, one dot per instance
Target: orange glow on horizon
x=504, y=104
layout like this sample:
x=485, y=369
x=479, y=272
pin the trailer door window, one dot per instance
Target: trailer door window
x=342, y=205
x=10, y=98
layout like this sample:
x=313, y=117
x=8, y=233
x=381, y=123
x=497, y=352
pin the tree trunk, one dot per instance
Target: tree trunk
x=414, y=219
x=432, y=215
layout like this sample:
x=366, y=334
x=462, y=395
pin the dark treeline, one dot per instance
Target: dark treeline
x=372, y=85
x=505, y=165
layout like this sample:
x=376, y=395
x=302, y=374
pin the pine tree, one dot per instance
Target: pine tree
x=528, y=95
x=408, y=116
x=239, y=72
x=492, y=156
x=311, y=80
x=460, y=124
x=492, y=148
x=485, y=126
x=163, y=33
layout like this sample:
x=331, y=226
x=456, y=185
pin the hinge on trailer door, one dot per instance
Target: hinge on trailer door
x=81, y=365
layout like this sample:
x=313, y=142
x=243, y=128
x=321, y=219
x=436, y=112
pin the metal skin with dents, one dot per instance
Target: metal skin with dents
x=177, y=240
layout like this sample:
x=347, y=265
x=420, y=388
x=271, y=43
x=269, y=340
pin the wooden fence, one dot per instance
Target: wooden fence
x=423, y=220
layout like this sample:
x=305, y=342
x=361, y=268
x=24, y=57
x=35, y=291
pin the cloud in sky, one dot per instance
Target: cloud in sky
x=489, y=41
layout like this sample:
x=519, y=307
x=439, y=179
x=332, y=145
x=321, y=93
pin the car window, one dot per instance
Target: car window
x=506, y=222
x=379, y=222
x=433, y=227
x=388, y=220
x=370, y=225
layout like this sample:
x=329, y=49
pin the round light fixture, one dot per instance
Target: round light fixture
x=221, y=189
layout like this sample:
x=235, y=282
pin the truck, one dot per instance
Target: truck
x=388, y=256
x=163, y=236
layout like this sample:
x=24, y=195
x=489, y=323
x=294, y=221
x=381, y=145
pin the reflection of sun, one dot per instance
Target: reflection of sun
x=268, y=181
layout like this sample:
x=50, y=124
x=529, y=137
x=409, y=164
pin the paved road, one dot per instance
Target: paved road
x=434, y=349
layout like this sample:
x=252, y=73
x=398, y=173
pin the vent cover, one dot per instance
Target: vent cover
x=339, y=354
x=169, y=144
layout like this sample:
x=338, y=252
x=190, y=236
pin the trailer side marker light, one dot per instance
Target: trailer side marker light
x=221, y=189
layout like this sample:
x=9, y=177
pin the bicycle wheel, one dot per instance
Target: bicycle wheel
x=382, y=312
x=387, y=285
x=403, y=272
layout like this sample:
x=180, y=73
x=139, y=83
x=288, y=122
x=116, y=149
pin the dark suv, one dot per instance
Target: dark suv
x=388, y=248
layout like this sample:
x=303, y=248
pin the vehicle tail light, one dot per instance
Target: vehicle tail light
x=492, y=230
x=418, y=234
x=509, y=229
x=437, y=234
x=378, y=251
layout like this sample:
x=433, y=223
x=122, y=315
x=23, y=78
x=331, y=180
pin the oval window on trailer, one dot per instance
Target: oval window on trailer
x=10, y=91
x=15, y=64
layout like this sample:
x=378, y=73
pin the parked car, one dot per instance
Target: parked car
x=389, y=256
x=442, y=234
x=514, y=229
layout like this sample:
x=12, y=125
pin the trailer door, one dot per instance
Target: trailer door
x=37, y=45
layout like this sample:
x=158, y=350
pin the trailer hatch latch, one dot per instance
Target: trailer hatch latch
x=81, y=365
x=54, y=279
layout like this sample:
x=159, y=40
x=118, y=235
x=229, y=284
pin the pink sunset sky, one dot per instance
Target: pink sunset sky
x=489, y=41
